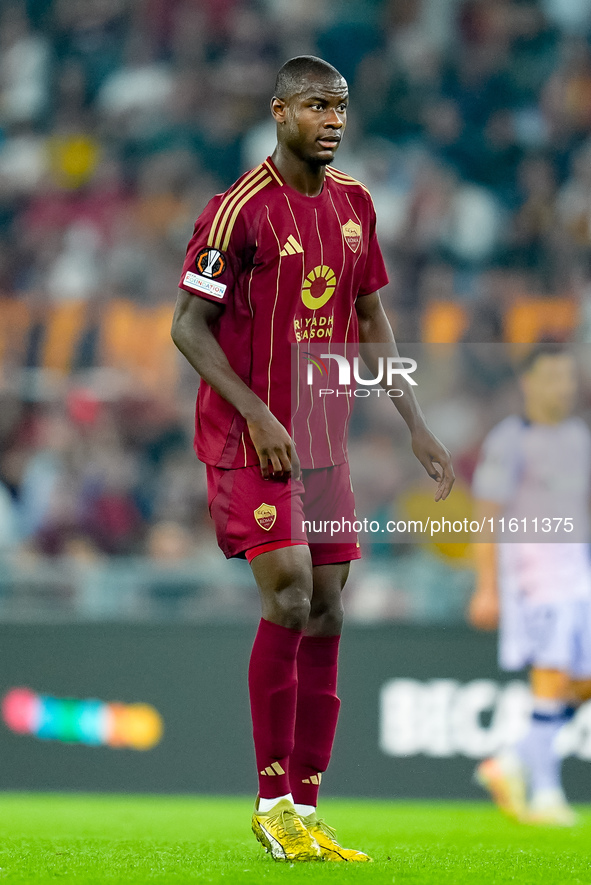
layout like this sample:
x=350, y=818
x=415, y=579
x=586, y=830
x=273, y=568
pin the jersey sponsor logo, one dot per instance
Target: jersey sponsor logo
x=319, y=287
x=307, y=328
x=292, y=247
x=203, y=284
x=265, y=516
x=352, y=235
x=211, y=263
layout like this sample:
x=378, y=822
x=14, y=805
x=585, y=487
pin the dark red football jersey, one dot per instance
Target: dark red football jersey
x=287, y=268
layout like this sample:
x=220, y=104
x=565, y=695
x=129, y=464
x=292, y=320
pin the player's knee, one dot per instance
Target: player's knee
x=329, y=623
x=293, y=604
x=286, y=596
x=326, y=616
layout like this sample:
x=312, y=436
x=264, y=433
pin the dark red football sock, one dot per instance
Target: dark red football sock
x=316, y=717
x=273, y=684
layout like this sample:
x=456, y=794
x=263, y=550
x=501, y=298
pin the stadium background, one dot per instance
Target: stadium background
x=471, y=124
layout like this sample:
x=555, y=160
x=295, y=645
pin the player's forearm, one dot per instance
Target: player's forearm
x=485, y=553
x=484, y=606
x=377, y=341
x=485, y=560
x=199, y=346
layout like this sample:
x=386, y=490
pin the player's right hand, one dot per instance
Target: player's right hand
x=275, y=448
x=483, y=610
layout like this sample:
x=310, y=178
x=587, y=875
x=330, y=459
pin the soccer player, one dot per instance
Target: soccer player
x=538, y=465
x=286, y=257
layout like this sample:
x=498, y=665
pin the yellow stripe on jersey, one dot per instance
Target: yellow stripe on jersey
x=273, y=173
x=229, y=201
x=343, y=178
x=232, y=221
x=336, y=173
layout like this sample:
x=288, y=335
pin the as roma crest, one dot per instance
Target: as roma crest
x=266, y=515
x=352, y=235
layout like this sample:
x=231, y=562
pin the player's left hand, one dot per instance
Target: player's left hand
x=436, y=460
x=483, y=609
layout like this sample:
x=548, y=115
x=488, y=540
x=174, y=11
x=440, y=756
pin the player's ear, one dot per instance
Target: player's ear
x=278, y=108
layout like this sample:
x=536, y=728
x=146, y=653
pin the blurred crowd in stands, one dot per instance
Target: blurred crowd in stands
x=470, y=123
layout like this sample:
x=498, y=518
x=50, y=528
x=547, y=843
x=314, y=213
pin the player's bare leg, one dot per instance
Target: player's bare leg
x=549, y=684
x=550, y=806
x=284, y=578
x=579, y=691
x=551, y=710
x=326, y=605
x=525, y=781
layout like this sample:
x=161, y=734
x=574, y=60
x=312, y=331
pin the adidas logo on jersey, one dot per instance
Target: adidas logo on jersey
x=292, y=247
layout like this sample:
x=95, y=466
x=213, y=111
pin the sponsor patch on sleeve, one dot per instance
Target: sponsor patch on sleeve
x=204, y=284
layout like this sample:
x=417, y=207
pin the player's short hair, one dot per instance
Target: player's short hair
x=538, y=351
x=292, y=77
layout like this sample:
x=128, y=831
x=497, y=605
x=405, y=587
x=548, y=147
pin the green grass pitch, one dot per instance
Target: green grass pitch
x=143, y=839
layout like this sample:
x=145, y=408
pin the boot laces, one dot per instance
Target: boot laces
x=328, y=831
x=288, y=821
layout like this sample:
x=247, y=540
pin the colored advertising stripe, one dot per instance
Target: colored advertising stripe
x=91, y=722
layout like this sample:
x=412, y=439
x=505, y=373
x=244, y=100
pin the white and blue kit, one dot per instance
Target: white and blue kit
x=537, y=472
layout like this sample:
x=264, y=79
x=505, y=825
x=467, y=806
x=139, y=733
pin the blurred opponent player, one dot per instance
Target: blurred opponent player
x=288, y=250
x=538, y=465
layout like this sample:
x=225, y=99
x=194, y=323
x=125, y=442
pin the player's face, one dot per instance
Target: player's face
x=550, y=387
x=312, y=122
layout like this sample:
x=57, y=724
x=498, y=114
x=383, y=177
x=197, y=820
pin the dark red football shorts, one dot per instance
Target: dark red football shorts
x=252, y=515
